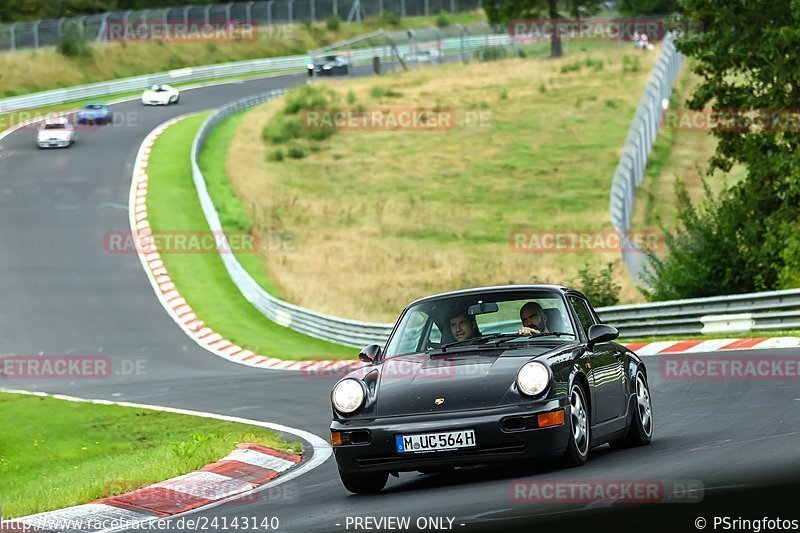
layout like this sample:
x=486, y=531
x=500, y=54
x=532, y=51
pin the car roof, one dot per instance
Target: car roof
x=96, y=103
x=56, y=120
x=496, y=288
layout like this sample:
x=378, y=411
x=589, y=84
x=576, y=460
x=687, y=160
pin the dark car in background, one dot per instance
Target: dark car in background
x=331, y=65
x=459, y=384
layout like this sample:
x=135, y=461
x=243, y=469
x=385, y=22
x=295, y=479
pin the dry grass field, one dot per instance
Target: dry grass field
x=382, y=217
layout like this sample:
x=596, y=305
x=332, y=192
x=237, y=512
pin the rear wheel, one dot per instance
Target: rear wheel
x=580, y=434
x=368, y=483
x=641, y=431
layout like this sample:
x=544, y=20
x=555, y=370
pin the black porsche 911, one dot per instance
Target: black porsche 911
x=329, y=66
x=486, y=375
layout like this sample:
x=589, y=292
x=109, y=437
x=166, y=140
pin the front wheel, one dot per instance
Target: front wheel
x=368, y=483
x=580, y=429
x=641, y=431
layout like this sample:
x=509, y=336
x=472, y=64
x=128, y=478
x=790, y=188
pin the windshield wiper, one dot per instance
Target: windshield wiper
x=482, y=339
x=511, y=336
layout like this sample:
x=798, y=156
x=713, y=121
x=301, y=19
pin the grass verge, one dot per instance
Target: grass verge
x=46, y=463
x=381, y=217
x=201, y=278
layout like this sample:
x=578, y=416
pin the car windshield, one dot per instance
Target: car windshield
x=94, y=106
x=480, y=319
x=55, y=126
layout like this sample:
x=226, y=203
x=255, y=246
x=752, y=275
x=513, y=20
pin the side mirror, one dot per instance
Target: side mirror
x=370, y=354
x=601, y=333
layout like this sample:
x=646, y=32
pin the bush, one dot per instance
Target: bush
x=275, y=155
x=442, y=21
x=598, y=285
x=491, y=53
x=333, y=22
x=73, y=43
x=391, y=19
x=631, y=64
x=351, y=97
x=296, y=152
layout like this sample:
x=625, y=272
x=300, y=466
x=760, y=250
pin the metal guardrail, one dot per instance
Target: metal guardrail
x=48, y=32
x=223, y=70
x=638, y=144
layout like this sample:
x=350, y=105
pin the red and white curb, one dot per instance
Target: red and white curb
x=242, y=471
x=246, y=471
x=168, y=293
x=712, y=345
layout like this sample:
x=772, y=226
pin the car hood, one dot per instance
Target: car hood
x=152, y=94
x=92, y=112
x=466, y=380
x=61, y=135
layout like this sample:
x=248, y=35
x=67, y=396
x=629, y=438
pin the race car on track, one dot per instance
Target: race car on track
x=55, y=132
x=161, y=95
x=515, y=373
x=424, y=55
x=95, y=113
x=329, y=66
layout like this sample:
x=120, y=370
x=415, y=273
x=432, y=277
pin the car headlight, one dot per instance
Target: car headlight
x=533, y=378
x=348, y=395
x=326, y=67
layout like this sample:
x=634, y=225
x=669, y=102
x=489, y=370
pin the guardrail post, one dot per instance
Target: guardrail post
x=248, y=9
x=36, y=33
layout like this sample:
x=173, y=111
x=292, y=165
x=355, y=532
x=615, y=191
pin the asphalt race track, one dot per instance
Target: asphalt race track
x=62, y=293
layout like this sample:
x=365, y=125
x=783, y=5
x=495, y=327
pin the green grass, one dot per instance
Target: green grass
x=56, y=453
x=201, y=278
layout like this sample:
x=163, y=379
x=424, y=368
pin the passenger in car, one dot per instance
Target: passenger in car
x=534, y=320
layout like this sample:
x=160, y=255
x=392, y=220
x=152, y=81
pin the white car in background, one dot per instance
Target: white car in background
x=55, y=132
x=161, y=95
x=424, y=55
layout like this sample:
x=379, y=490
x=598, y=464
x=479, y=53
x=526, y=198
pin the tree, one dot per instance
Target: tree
x=506, y=11
x=632, y=8
x=745, y=56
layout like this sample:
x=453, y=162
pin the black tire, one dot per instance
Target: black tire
x=579, y=428
x=640, y=432
x=368, y=483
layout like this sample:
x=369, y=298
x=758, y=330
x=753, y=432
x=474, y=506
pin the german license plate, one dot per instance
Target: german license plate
x=435, y=442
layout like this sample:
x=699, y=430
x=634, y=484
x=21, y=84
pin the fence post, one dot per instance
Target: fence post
x=100, y=33
x=452, y=6
x=290, y=6
x=60, y=27
x=207, y=14
x=427, y=8
x=228, y=13
x=269, y=12
x=186, y=16
x=36, y=33
x=380, y=8
x=402, y=8
x=336, y=8
x=13, y=36
x=313, y=11
x=248, y=9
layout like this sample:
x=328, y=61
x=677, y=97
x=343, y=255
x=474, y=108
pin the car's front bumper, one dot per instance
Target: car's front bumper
x=54, y=143
x=155, y=102
x=494, y=440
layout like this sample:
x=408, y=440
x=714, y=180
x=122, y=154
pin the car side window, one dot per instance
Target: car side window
x=583, y=313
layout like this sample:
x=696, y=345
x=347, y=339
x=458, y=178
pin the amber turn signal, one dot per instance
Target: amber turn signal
x=553, y=418
x=336, y=437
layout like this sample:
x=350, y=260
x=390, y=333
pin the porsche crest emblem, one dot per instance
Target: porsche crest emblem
x=438, y=401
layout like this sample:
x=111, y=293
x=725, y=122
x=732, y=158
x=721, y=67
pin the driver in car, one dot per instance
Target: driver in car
x=463, y=327
x=534, y=321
